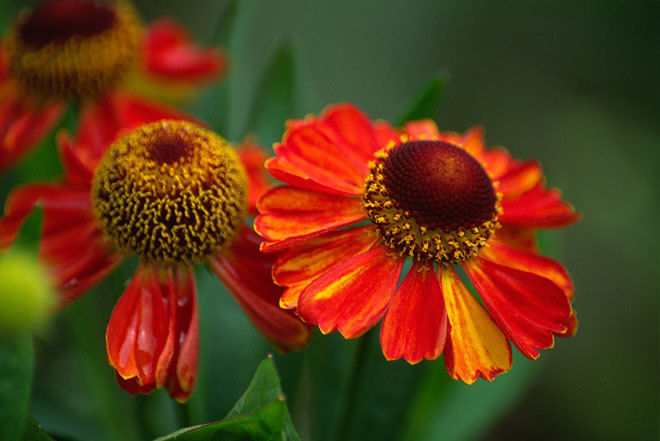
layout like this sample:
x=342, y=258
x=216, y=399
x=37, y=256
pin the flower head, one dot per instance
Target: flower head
x=171, y=193
x=443, y=200
x=84, y=50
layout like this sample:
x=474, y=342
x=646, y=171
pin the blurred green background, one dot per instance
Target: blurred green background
x=572, y=84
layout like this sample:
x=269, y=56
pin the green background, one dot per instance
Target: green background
x=572, y=84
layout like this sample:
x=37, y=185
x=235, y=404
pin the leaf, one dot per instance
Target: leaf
x=426, y=101
x=264, y=388
x=16, y=361
x=33, y=431
x=266, y=424
x=449, y=409
x=29, y=234
x=274, y=101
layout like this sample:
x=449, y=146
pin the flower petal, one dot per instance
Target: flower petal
x=476, y=346
x=520, y=178
x=422, y=129
x=168, y=52
x=495, y=160
x=284, y=171
x=522, y=238
x=539, y=207
x=353, y=132
x=415, y=324
x=309, y=149
x=253, y=156
x=247, y=274
x=530, y=262
x=306, y=261
x=352, y=297
x=385, y=133
x=290, y=215
x=527, y=307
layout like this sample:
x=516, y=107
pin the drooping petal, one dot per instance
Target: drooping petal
x=73, y=247
x=309, y=149
x=306, y=261
x=253, y=156
x=169, y=52
x=139, y=336
x=22, y=126
x=352, y=297
x=415, y=324
x=527, y=307
x=247, y=274
x=520, y=178
x=290, y=215
x=352, y=131
x=539, y=207
x=532, y=263
x=476, y=346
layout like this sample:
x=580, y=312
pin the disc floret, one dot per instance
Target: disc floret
x=170, y=192
x=431, y=200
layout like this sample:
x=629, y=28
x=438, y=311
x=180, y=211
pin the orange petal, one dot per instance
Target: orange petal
x=253, y=156
x=473, y=140
x=306, y=261
x=284, y=171
x=290, y=215
x=527, y=307
x=522, y=238
x=530, y=262
x=496, y=161
x=352, y=131
x=422, y=129
x=520, y=178
x=247, y=274
x=309, y=149
x=539, y=207
x=352, y=297
x=476, y=346
x=415, y=325
x=385, y=133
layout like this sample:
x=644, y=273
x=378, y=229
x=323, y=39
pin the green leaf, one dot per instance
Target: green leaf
x=264, y=388
x=426, y=100
x=33, y=431
x=16, y=360
x=448, y=409
x=29, y=234
x=265, y=424
x=274, y=101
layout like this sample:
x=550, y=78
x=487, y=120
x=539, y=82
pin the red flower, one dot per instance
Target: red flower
x=79, y=49
x=362, y=197
x=173, y=194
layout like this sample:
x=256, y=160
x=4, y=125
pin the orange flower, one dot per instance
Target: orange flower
x=362, y=197
x=171, y=193
x=83, y=50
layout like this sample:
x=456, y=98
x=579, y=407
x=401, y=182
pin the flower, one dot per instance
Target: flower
x=83, y=50
x=173, y=194
x=363, y=197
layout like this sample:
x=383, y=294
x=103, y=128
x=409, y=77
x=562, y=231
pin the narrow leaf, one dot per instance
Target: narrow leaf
x=426, y=100
x=34, y=432
x=16, y=360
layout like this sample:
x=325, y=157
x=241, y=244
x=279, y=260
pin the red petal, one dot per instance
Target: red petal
x=247, y=274
x=306, y=261
x=528, y=308
x=169, y=52
x=309, y=149
x=476, y=346
x=253, y=156
x=539, y=207
x=422, y=129
x=532, y=263
x=352, y=297
x=284, y=171
x=496, y=161
x=139, y=338
x=385, y=133
x=290, y=215
x=353, y=132
x=520, y=178
x=78, y=170
x=522, y=238
x=22, y=126
x=415, y=325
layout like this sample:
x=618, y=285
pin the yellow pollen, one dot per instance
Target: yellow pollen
x=403, y=232
x=170, y=192
x=72, y=48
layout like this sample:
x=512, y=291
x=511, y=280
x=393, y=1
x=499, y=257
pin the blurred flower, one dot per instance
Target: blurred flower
x=172, y=193
x=82, y=50
x=26, y=294
x=441, y=199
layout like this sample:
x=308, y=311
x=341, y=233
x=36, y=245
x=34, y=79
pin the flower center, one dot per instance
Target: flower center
x=431, y=200
x=72, y=48
x=170, y=191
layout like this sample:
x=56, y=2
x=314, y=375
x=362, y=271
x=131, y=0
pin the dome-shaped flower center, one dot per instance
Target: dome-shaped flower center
x=431, y=200
x=170, y=191
x=72, y=48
